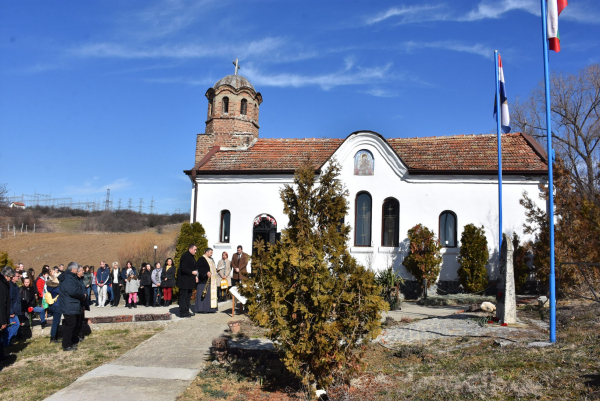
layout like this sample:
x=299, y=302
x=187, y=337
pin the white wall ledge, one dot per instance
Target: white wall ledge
x=362, y=249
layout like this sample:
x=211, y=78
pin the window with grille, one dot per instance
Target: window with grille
x=390, y=222
x=448, y=229
x=225, y=223
x=362, y=226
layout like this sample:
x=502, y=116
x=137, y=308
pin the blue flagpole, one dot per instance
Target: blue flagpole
x=550, y=211
x=498, y=122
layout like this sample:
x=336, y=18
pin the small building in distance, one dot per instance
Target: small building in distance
x=17, y=205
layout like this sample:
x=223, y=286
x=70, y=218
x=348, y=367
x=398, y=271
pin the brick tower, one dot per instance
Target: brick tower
x=232, y=120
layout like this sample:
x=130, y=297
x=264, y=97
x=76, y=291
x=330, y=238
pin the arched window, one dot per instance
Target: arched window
x=390, y=222
x=448, y=229
x=362, y=221
x=225, y=222
x=210, y=107
x=225, y=105
x=244, y=108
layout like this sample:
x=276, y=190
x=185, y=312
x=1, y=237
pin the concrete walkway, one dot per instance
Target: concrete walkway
x=160, y=368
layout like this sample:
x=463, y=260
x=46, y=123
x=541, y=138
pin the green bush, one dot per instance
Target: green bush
x=317, y=303
x=473, y=257
x=4, y=260
x=189, y=234
x=388, y=279
x=424, y=260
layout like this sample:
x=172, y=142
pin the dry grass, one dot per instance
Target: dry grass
x=35, y=250
x=453, y=369
x=41, y=369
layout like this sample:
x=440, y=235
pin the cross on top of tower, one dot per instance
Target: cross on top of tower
x=237, y=66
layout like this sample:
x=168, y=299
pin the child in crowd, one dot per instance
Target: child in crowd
x=131, y=287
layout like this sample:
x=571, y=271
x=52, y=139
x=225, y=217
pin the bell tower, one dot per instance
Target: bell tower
x=232, y=117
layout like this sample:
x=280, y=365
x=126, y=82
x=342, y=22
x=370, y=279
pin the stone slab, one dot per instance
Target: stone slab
x=144, y=372
x=254, y=344
x=413, y=311
x=121, y=389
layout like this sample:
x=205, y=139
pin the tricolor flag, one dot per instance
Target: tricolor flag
x=505, y=121
x=555, y=7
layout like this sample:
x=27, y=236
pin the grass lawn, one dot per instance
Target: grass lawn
x=41, y=368
x=453, y=369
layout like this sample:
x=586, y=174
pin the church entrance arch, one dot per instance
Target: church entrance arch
x=265, y=228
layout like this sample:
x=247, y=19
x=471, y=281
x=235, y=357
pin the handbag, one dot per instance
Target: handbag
x=48, y=298
x=224, y=284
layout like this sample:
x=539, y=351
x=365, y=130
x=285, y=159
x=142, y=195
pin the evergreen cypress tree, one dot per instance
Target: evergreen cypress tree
x=4, y=260
x=316, y=301
x=423, y=259
x=473, y=257
x=189, y=234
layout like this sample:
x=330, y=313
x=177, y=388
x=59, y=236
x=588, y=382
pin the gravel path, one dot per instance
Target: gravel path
x=454, y=326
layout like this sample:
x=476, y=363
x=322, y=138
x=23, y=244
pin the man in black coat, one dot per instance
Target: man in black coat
x=4, y=305
x=186, y=280
x=72, y=293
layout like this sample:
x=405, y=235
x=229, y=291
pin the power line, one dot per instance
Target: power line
x=141, y=204
x=107, y=205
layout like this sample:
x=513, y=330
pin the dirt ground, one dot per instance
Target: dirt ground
x=449, y=369
x=36, y=250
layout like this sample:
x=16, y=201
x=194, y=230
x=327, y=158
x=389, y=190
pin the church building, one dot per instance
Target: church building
x=442, y=182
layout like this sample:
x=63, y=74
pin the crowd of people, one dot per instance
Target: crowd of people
x=66, y=293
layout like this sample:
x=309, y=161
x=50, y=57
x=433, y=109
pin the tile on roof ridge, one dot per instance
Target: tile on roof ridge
x=457, y=136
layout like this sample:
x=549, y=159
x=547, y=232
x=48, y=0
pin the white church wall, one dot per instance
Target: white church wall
x=245, y=197
x=474, y=199
x=422, y=198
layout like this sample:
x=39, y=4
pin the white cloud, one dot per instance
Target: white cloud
x=92, y=187
x=378, y=92
x=477, y=48
x=179, y=51
x=485, y=9
x=495, y=9
x=408, y=14
x=350, y=75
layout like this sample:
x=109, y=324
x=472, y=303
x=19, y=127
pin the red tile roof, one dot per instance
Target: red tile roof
x=456, y=154
x=274, y=154
x=470, y=153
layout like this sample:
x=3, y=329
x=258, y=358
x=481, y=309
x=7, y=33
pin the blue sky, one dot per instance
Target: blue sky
x=110, y=94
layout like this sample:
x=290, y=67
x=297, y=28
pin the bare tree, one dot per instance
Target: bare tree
x=3, y=196
x=575, y=109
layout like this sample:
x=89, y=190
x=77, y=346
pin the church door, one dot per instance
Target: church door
x=265, y=228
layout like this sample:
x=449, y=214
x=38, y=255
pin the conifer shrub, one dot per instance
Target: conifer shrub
x=423, y=260
x=189, y=234
x=473, y=257
x=4, y=260
x=319, y=306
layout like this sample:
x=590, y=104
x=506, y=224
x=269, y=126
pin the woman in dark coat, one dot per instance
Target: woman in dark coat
x=167, y=279
x=146, y=283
